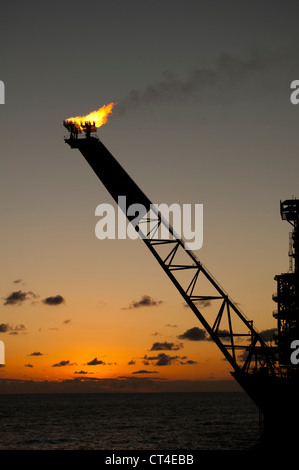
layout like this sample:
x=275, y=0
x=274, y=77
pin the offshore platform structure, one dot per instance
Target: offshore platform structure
x=287, y=294
x=264, y=371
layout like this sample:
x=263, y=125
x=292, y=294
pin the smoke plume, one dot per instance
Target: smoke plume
x=228, y=72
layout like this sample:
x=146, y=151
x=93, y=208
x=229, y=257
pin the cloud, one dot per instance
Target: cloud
x=35, y=353
x=28, y=365
x=55, y=300
x=63, y=364
x=165, y=360
x=194, y=334
x=200, y=303
x=268, y=335
x=50, y=328
x=95, y=362
x=81, y=372
x=198, y=334
x=132, y=383
x=131, y=363
x=12, y=330
x=145, y=301
x=143, y=371
x=4, y=327
x=18, y=297
x=65, y=322
x=17, y=281
x=166, y=346
x=161, y=359
x=222, y=334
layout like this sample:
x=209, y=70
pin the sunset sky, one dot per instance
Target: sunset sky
x=203, y=116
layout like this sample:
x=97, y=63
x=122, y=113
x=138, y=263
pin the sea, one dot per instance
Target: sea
x=129, y=422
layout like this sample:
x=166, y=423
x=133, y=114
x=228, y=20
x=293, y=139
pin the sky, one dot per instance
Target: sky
x=203, y=116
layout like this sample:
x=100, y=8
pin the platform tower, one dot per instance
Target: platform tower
x=287, y=294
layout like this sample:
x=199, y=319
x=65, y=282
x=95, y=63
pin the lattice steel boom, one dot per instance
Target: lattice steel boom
x=254, y=362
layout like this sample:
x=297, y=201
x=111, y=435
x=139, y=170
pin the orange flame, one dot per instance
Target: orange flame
x=100, y=116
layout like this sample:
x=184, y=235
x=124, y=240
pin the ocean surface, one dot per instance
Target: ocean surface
x=141, y=421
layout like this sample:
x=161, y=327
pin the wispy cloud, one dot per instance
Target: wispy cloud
x=143, y=371
x=64, y=363
x=12, y=330
x=166, y=346
x=161, y=359
x=18, y=297
x=96, y=362
x=203, y=303
x=145, y=301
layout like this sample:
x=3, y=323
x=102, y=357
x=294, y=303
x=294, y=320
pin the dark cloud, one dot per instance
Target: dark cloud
x=200, y=303
x=36, y=353
x=17, y=281
x=65, y=322
x=131, y=363
x=165, y=360
x=269, y=334
x=28, y=365
x=63, y=364
x=143, y=371
x=81, y=372
x=161, y=359
x=132, y=383
x=222, y=334
x=166, y=346
x=18, y=297
x=194, y=334
x=145, y=301
x=12, y=330
x=95, y=362
x=55, y=300
x=198, y=334
x=4, y=327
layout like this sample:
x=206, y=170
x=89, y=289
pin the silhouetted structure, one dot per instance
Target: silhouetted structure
x=264, y=371
x=287, y=295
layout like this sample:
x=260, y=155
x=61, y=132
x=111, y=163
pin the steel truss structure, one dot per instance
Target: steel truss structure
x=240, y=343
x=199, y=288
x=256, y=364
